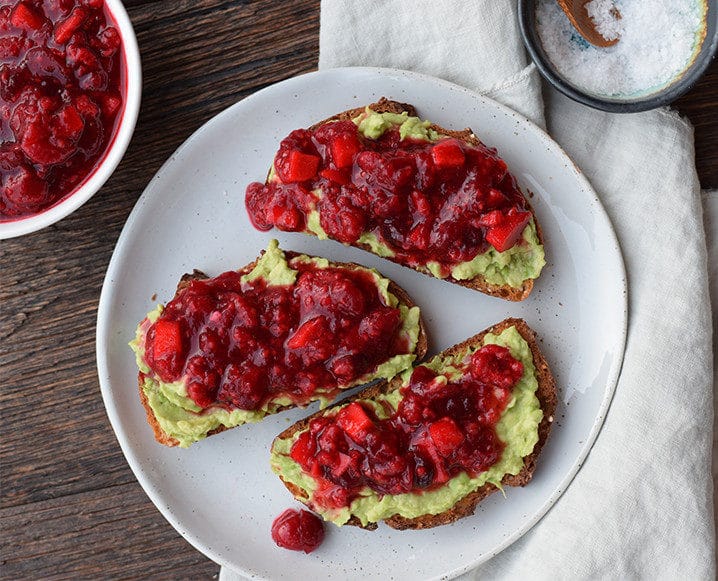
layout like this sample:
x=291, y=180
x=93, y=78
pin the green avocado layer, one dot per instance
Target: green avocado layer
x=182, y=419
x=517, y=428
x=521, y=262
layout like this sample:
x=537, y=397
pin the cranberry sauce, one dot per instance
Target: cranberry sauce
x=438, y=431
x=242, y=344
x=298, y=530
x=61, y=96
x=444, y=201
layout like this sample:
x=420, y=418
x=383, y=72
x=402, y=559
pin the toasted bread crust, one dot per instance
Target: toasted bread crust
x=478, y=283
x=546, y=394
x=160, y=435
x=163, y=438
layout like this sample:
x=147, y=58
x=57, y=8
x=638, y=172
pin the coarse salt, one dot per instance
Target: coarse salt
x=658, y=40
x=606, y=18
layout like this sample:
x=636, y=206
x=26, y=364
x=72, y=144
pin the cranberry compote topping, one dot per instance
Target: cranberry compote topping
x=298, y=530
x=241, y=344
x=439, y=430
x=444, y=201
x=61, y=94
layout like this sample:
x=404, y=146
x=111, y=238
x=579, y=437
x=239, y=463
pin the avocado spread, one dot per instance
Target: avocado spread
x=181, y=418
x=373, y=125
x=517, y=428
x=512, y=267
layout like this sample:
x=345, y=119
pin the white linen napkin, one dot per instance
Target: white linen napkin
x=642, y=504
x=710, y=220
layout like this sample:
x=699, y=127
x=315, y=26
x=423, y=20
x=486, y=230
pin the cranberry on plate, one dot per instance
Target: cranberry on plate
x=298, y=530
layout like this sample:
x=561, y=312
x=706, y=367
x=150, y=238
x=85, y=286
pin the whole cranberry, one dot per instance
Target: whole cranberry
x=298, y=530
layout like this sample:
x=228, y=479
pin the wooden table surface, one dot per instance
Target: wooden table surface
x=69, y=505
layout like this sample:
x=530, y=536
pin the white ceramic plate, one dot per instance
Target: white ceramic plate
x=220, y=494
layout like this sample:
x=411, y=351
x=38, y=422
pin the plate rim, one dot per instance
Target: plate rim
x=107, y=293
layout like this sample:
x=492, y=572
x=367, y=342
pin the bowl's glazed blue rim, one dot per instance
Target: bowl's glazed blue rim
x=527, y=21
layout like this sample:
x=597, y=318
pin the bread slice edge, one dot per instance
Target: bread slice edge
x=403, y=297
x=479, y=282
x=546, y=394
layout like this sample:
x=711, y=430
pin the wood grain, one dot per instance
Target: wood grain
x=69, y=506
x=69, y=502
x=99, y=534
x=700, y=105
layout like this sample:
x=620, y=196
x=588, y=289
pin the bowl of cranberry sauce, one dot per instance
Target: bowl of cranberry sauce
x=70, y=86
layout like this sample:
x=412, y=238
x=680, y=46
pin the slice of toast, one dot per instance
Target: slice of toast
x=167, y=439
x=479, y=282
x=465, y=506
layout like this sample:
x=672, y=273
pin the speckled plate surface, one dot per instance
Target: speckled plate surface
x=220, y=494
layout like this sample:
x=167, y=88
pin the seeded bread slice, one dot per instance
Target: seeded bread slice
x=546, y=394
x=163, y=438
x=478, y=283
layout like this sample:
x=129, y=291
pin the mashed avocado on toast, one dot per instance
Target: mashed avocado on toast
x=521, y=425
x=448, y=208
x=180, y=417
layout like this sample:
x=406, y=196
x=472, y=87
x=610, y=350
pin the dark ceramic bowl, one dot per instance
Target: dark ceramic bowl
x=527, y=23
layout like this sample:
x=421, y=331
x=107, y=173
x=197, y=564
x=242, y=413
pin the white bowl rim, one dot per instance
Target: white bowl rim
x=112, y=157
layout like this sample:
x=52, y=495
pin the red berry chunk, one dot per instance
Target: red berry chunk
x=298, y=530
x=287, y=218
x=495, y=198
x=302, y=449
x=64, y=29
x=334, y=292
x=200, y=394
x=23, y=16
x=25, y=190
x=9, y=49
x=310, y=332
x=52, y=140
x=256, y=202
x=342, y=220
x=336, y=176
x=382, y=322
x=344, y=148
x=164, y=348
x=344, y=367
x=108, y=42
x=243, y=386
x=111, y=105
x=446, y=435
x=508, y=230
x=494, y=365
x=448, y=153
x=167, y=340
x=354, y=421
x=299, y=167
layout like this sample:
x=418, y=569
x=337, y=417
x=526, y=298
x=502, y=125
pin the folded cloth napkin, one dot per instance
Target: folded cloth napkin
x=641, y=505
x=710, y=219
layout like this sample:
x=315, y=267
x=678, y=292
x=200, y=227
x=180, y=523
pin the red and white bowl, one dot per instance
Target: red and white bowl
x=103, y=168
